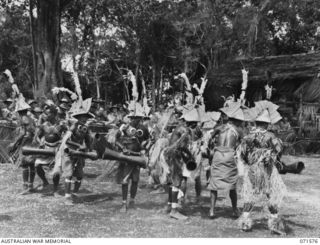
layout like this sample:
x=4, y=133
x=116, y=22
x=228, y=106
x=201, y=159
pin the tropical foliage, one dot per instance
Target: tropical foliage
x=103, y=39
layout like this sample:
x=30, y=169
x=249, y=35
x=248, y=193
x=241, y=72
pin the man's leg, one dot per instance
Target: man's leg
x=67, y=187
x=77, y=185
x=56, y=180
x=133, y=193
x=42, y=176
x=213, y=196
x=183, y=188
x=245, y=222
x=125, y=188
x=78, y=174
x=208, y=174
x=25, y=177
x=275, y=223
x=168, y=208
x=25, y=174
x=198, y=187
x=32, y=174
x=174, y=206
x=135, y=176
x=234, y=199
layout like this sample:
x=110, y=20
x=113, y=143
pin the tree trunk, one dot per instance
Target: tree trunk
x=35, y=82
x=160, y=87
x=154, y=82
x=48, y=46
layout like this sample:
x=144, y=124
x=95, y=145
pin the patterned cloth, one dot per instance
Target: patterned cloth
x=224, y=173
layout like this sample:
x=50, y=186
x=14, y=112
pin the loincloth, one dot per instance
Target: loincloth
x=71, y=167
x=126, y=172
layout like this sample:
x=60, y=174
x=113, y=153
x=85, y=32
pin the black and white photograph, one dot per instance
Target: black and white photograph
x=159, y=119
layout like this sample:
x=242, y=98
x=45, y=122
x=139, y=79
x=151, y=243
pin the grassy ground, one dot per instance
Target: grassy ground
x=95, y=213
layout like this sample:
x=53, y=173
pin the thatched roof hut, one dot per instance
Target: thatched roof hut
x=288, y=74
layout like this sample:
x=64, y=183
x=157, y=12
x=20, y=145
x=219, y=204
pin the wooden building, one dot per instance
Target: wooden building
x=294, y=78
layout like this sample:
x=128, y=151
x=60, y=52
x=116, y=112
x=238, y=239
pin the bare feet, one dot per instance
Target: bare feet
x=245, y=222
x=160, y=190
x=56, y=194
x=236, y=213
x=68, y=200
x=212, y=215
x=123, y=208
x=276, y=225
x=28, y=189
x=132, y=204
x=43, y=187
x=167, y=209
x=177, y=215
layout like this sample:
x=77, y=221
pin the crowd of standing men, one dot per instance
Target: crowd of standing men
x=175, y=140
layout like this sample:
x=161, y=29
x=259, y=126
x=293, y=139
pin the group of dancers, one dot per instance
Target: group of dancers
x=174, y=144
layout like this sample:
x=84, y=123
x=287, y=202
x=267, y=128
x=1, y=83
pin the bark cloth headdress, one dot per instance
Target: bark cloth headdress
x=234, y=110
x=264, y=111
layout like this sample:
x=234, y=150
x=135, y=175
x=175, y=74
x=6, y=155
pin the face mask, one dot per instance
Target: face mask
x=82, y=129
x=131, y=131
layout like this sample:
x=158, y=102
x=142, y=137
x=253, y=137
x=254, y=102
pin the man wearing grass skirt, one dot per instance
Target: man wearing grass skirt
x=259, y=153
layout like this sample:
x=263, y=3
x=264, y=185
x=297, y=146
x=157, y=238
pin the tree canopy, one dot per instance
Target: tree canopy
x=155, y=39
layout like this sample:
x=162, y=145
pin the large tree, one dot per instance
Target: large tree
x=45, y=19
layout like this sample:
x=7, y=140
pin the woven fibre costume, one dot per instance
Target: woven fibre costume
x=224, y=172
x=197, y=141
x=26, y=136
x=73, y=166
x=176, y=155
x=132, y=144
x=260, y=151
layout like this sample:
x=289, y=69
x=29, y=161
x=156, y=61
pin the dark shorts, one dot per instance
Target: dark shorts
x=176, y=180
x=126, y=172
x=73, y=167
x=26, y=161
x=78, y=168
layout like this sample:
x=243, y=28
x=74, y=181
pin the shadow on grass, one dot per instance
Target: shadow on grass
x=262, y=224
x=91, y=175
x=94, y=198
x=151, y=205
x=4, y=217
x=292, y=223
x=193, y=209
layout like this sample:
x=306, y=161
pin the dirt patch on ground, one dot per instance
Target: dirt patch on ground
x=95, y=213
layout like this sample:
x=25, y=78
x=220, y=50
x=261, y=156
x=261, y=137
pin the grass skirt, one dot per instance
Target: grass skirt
x=262, y=179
